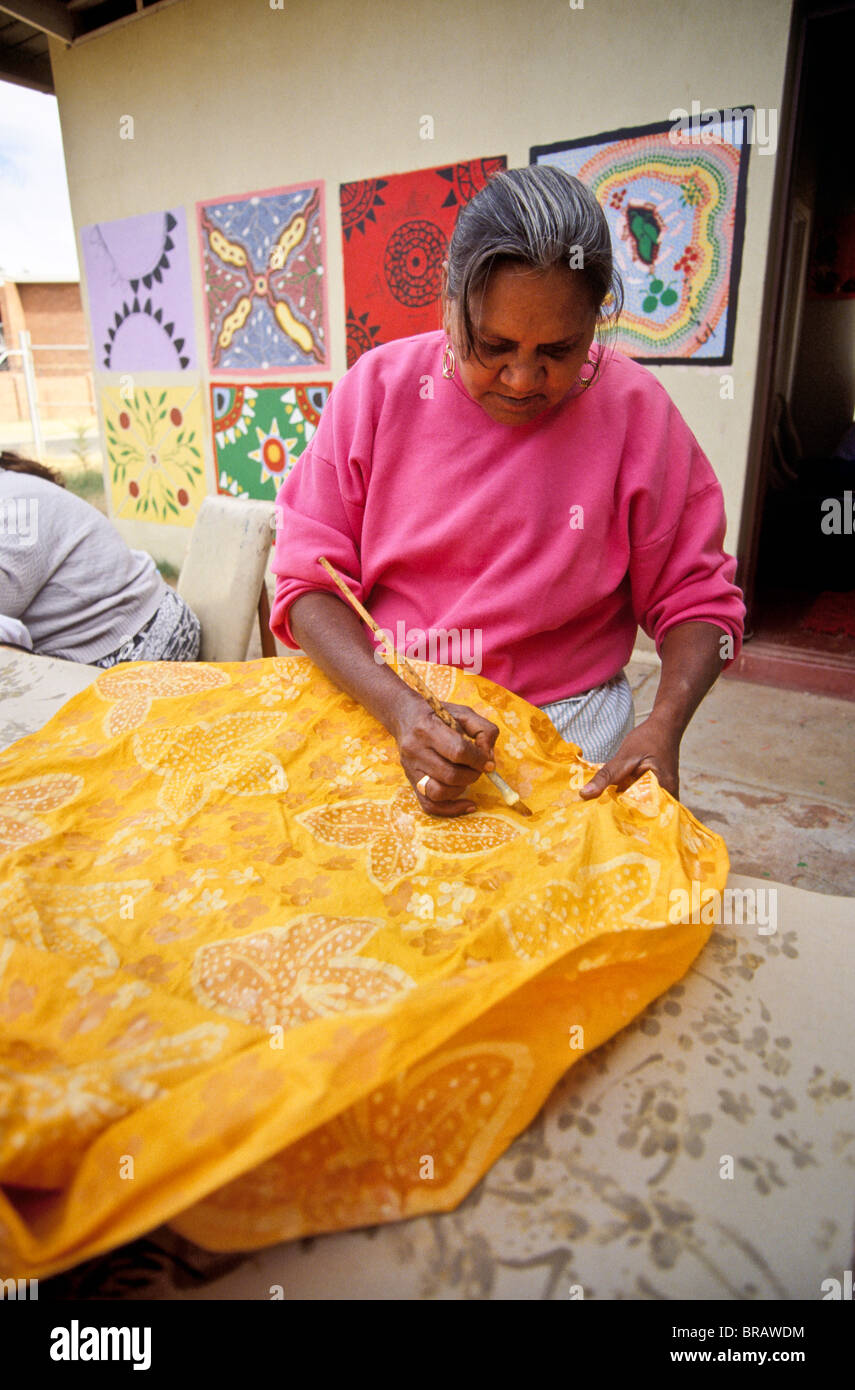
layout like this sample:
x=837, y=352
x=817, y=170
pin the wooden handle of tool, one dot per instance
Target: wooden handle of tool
x=439, y=709
x=509, y=795
x=350, y=596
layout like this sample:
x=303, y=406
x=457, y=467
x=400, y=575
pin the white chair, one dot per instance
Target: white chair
x=222, y=578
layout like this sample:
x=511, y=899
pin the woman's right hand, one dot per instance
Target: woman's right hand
x=427, y=747
x=333, y=636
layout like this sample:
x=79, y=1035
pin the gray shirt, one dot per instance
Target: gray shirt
x=66, y=573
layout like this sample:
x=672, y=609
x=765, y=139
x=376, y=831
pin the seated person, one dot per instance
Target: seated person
x=543, y=493
x=71, y=588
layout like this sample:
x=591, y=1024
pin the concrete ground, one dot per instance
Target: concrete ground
x=773, y=772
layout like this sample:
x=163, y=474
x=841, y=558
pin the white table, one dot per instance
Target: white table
x=33, y=688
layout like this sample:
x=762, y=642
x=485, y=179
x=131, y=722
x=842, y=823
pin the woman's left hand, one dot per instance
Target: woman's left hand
x=654, y=745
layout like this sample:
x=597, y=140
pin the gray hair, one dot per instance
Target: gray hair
x=539, y=216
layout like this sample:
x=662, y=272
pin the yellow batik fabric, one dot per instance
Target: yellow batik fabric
x=249, y=988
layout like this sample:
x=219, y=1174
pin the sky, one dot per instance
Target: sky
x=36, y=231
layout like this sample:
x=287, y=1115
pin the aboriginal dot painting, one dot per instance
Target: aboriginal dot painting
x=674, y=198
x=260, y=432
x=155, y=455
x=140, y=299
x=395, y=233
x=263, y=268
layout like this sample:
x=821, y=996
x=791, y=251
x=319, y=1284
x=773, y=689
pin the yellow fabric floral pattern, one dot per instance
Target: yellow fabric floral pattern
x=19, y=802
x=200, y=760
x=290, y=974
x=249, y=988
x=130, y=689
x=399, y=834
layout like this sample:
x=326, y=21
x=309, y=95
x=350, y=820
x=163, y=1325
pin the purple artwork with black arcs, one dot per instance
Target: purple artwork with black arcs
x=140, y=297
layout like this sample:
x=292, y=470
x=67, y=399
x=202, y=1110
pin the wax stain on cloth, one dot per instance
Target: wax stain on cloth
x=249, y=988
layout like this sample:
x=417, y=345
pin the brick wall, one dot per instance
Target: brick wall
x=53, y=315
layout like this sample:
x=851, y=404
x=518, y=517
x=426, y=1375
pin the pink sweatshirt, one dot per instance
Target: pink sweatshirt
x=547, y=542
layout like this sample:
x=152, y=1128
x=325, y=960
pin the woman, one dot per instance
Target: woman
x=71, y=588
x=509, y=478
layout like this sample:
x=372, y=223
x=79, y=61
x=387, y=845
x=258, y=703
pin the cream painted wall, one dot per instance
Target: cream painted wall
x=229, y=96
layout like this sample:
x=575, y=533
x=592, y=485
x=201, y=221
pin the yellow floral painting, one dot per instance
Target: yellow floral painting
x=154, y=448
x=249, y=988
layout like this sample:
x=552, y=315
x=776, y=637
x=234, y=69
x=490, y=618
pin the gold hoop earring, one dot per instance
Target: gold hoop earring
x=587, y=381
x=448, y=362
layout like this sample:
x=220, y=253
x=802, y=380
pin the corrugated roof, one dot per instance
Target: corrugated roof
x=26, y=24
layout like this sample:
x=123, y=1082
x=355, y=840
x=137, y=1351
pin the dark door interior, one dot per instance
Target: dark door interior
x=798, y=558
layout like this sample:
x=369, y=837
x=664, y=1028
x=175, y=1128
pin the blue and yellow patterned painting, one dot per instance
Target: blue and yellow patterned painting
x=265, y=287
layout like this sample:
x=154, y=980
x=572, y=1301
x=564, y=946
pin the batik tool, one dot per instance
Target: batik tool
x=509, y=796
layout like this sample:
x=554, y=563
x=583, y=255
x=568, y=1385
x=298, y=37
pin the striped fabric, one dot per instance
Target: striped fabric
x=597, y=721
x=173, y=634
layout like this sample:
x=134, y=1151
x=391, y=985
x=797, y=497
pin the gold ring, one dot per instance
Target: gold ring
x=422, y=784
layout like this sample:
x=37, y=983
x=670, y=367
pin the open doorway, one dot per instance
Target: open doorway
x=798, y=545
